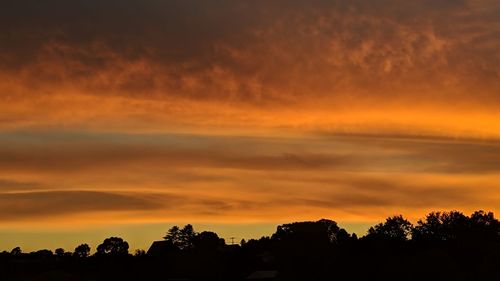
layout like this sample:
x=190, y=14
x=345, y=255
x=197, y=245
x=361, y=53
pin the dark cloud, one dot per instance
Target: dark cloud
x=9, y=185
x=82, y=152
x=59, y=203
x=443, y=155
x=393, y=193
x=255, y=51
x=361, y=191
x=433, y=154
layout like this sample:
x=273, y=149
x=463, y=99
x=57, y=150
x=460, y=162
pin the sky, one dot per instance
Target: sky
x=123, y=118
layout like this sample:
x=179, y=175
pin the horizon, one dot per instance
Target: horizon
x=134, y=235
x=137, y=241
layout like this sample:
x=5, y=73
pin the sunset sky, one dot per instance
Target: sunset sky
x=124, y=117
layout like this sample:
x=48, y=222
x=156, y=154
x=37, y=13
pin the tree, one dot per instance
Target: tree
x=59, y=252
x=139, y=253
x=306, y=239
x=208, y=240
x=43, y=253
x=16, y=251
x=394, y=228
x=342, y=236
x=441, y=226
x=326, y=231
x=172, y=234
x=113, y=246
x=484, y=227
x=82, y=251
x=187, y=236
x=181, y=238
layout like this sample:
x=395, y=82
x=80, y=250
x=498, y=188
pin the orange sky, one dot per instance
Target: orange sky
x=128, y=116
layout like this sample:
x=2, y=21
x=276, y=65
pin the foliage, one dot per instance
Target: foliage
x=113, y=246
x=16, y=251
x=394, y=228
x=59, y=252
x=441, y=246
x=82, y=251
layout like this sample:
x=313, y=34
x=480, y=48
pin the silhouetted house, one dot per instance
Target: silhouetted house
x=161, y=248
x=263, y=275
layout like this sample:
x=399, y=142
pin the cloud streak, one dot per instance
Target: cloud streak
x=96, y=151
x=205, y=178
x=31, y=205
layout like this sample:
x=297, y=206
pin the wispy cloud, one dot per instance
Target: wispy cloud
x=225, y=177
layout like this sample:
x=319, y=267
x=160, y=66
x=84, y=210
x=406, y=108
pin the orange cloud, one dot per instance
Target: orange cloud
x=332, y=66
x=155, y=177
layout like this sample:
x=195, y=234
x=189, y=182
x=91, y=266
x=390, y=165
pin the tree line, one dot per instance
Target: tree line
x=442, y=245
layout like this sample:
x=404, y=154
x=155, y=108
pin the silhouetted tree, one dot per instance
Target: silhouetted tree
x=43, y=253
x=139, y=253
x=445, y=246
x=113, y=246
x=394, y=228
x=322, y=231
x=484, y=227
x=172, y=234
x=181, y=238
x=208, y=240
x=82, y=251
x=342, y=236
x=59, y=252
x=187, y=236
x=16, y=251
x=441, y=226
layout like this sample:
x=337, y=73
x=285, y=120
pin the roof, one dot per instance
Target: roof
x=160, y=247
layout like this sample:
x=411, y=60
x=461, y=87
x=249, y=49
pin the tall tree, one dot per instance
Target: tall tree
x=113, y=246
x=394, y=228
x=59, y=252
x=82, y=251
x=181, y=238
x=16, y=251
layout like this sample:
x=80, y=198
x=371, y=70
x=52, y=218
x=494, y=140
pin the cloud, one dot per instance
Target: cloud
x=9, y=186
x=255, y=52
x=90, y=151
x=187, y=66
x=104, y=87
x=445, y=155
x=78, y=152
x=60, y=204
x=377, y=194
x=44, y=204
x=168, y=177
